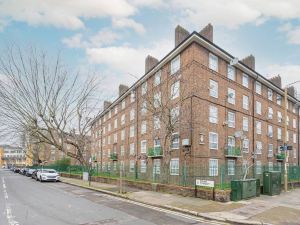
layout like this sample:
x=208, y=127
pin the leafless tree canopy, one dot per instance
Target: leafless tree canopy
x=39, y=96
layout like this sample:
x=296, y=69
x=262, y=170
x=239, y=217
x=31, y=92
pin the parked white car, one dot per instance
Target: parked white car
x=47, y=175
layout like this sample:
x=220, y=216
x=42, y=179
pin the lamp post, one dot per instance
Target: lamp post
x=285, y=143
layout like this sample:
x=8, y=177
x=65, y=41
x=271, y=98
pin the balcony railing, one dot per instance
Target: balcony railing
x=155, y=152
x=280, y=157
x=114, y=156
x=232, y=152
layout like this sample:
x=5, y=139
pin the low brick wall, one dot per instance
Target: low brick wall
x=205, y=193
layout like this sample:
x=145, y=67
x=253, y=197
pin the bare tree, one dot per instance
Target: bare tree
x=40, y=96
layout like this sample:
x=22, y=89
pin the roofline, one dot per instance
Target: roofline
x=198, y=38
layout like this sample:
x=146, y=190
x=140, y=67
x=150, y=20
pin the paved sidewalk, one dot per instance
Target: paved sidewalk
x=282, y=210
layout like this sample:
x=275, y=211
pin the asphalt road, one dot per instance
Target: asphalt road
x=24, y=201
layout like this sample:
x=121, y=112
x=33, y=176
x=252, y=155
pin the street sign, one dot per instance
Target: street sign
x=205, y=183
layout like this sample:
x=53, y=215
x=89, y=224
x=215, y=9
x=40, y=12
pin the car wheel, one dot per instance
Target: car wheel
x=41, y=180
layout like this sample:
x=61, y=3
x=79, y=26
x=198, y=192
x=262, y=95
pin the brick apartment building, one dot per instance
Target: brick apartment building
x=198, y=106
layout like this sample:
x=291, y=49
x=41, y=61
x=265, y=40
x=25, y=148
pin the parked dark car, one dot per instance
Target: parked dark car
x=34, y=174
x=25, y=171
x=16, y=170
x=29, y=172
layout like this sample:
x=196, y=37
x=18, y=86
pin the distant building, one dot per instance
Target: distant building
x=13, y=156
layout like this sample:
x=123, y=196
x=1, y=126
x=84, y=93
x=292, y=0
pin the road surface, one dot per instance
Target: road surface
x=24, y=201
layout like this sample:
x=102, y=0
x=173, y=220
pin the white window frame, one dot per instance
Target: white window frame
x=144, y=146
x=175, y=90
x=213, y=62
x=213, y=88
x=231, y=96
x=213, y=141
x=258, y=149
x=157, y=78
x=175, y=65
x=213, y=167
x=230, y=72
x=213, y=114
x=231, y=167
x=231, y=119
x=258, y=87
x=245, y=80
x=258, y=108
x=175, y=141
x=258, y=127
x=270, y=94
x=144, y=127
x=174, y=167
x=245, y=102
x=245, y=123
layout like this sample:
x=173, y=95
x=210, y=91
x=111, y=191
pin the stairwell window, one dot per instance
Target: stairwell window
x=143, y=166
x=270, y=150
x=131, y=131
x=270, y=131
x=132, y=114
x=213, y=88
x=231, y=167
x=258, y=107
x=157, y=99
x=258, y=147
x=213, y=140
x=270, y=113
x=258, y=167
x=258, y=87
x=213, y=167
x=157, y=78
x=279, y=117
x=245, y=102
x=143, y=146
x=131, y=149
x=123, y=135
x=246, y=145
x=132, y=96
x=270, y=94
x=245, y=80
x=175, y=65
x=231, y=96
x=144, y=88
x=213, y=62
x=175, y=141
x=131, y=166
x=279, y=134
x=231, y=119
x=156, y=122
x=174, y=167
x=123, y=119
x=175, y=90
x=231, y=72
x=258, y=127
x=279, y=99
x=213, y=114
x=245, y=124
x=144, y=127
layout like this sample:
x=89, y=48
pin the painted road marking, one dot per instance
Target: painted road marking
x=9, y=215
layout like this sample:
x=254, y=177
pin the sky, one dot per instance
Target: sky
x=112, y=38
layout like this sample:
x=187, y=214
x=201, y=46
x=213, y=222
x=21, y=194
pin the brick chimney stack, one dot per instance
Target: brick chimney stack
x=180, y=35
x=150, y=62
x=122, y=89
x=291, y=91
x=106, y=104
x=276, y=81
x=249, y=61
x=208, y=32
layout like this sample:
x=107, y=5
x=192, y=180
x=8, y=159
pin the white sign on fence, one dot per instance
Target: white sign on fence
x=85, y=176
x=205, y=183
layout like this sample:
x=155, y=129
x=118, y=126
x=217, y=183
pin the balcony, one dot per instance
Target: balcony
x=280, y=157
x=114, y=156
x=155, y=152
x=232, y=152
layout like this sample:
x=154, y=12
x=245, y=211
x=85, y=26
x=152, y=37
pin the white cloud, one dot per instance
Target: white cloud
x=68, y=14
x=125, y=59
x=101, y=38
x=235, y=13
x=130, y=23
x=292, y=33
